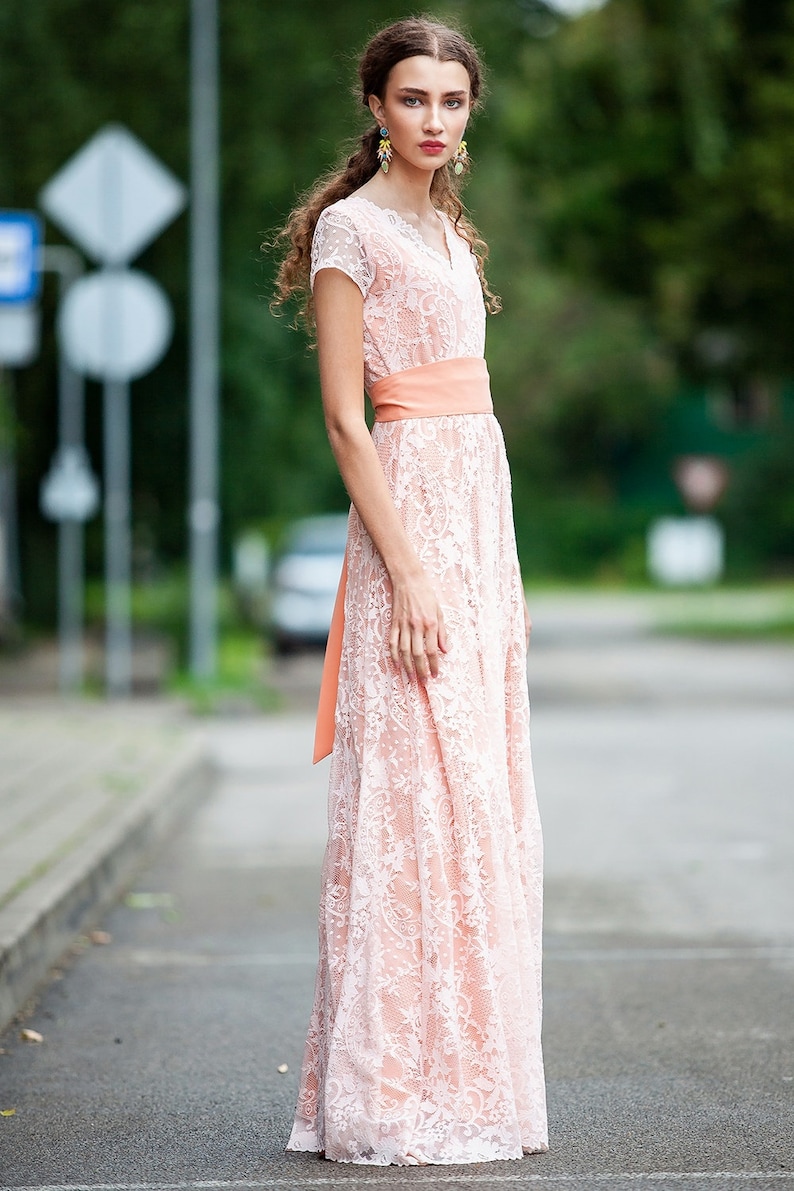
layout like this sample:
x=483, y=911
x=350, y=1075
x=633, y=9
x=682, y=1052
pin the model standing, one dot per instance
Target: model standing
x=424, y=1041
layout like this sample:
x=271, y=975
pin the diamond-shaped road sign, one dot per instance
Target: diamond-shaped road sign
x=113, y=196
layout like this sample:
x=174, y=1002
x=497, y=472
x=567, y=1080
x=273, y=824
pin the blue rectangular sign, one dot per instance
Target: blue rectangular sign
x=20, y=241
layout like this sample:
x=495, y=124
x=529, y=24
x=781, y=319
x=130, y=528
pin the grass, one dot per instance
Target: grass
x=749, y=614
x=757, y=613
x=239, y=683
x=159, y=607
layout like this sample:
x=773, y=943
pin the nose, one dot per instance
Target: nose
x=433, y=121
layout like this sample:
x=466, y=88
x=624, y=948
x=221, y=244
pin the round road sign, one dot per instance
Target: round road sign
x=115, y=325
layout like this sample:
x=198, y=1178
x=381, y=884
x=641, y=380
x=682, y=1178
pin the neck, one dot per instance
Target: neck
x=404, y=188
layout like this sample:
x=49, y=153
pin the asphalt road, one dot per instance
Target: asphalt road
x=669, y=965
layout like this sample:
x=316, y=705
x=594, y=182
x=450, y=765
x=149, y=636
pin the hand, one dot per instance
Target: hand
x=527, y=621
x=417, y=637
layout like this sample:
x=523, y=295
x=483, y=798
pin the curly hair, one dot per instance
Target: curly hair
x=417, y=36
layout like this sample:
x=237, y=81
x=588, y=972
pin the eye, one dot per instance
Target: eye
x=412, y=101
x=453, y=103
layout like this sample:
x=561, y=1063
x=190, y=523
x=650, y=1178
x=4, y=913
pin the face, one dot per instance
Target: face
x=425, y=108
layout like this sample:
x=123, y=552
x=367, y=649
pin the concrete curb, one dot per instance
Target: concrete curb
x=39, y=925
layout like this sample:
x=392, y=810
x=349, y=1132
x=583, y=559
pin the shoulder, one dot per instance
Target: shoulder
x=343, y=222
x=347, y=213
x=340, y=242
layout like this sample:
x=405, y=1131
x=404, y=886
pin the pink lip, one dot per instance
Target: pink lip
x=432, y=146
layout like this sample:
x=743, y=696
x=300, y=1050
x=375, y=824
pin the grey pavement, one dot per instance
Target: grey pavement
x=86, y=791
x=666, y=779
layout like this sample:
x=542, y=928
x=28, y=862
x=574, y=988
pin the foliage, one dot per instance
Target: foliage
x=656, y=142
x=159, y=606
x=633, y=173
x=760, y=510
x=239, y=684
x=651, y=147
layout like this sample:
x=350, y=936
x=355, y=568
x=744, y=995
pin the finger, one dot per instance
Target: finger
x=441, y=634
x=432, y=652
x=418, y=655
x=405, y=650
x=394, y=644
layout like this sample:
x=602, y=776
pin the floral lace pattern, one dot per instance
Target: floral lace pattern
x=424, y=1041
x=419, y=307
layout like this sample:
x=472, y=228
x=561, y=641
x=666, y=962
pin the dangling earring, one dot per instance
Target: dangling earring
x=460, y=158
x=384, y=150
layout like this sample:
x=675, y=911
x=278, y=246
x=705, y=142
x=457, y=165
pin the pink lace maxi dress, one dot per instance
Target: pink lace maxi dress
x=424, y=1040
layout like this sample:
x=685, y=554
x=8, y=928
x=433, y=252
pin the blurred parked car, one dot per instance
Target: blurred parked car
x=305, y=581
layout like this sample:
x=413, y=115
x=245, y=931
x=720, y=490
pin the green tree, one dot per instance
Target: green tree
x=632, y=175
x=650, y=145
x=655, y=142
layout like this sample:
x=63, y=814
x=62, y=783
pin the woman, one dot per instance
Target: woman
x=424, y=1042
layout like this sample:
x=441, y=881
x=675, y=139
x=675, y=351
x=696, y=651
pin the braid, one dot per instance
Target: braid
x=292, y=278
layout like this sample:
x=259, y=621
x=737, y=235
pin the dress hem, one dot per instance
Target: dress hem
x=308, y=1145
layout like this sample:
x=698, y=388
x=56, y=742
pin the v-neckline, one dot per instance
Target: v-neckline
x=413, y=232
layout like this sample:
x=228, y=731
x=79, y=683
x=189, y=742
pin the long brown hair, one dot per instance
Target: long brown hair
x=417, y=36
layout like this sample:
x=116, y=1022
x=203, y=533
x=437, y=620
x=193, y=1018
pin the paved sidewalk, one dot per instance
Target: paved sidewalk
x=86, y=791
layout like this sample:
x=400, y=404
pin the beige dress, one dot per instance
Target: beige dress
x=424, y=1040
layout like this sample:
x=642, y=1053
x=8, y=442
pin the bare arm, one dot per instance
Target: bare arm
x=417, y=628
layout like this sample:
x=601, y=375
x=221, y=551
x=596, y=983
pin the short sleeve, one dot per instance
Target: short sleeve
x=337, y=244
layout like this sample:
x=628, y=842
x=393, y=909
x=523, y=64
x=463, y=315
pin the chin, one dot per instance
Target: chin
x=432, y=164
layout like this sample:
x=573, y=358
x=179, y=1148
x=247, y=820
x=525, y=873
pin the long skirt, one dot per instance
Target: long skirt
x=424, y=1041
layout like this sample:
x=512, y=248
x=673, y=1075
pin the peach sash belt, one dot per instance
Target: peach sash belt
x=460, y=386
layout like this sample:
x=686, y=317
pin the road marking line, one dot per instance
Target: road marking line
x=154, y=958
x=665, y=954
x=201, y=959
x=339, y=1180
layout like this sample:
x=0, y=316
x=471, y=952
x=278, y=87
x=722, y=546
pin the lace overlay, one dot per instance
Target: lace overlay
x=419, y=307
x=424, y=1040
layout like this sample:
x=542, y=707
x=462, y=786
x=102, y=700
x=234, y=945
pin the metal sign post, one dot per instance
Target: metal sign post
x=70, y=496
x=69, y=492
x=118, y=537
x=20, y=236
x=204, y=273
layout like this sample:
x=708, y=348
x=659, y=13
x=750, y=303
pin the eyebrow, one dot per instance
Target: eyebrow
x=419, y=91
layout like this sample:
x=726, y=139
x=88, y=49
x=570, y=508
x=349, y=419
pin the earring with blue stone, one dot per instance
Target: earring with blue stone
x=384, y=150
